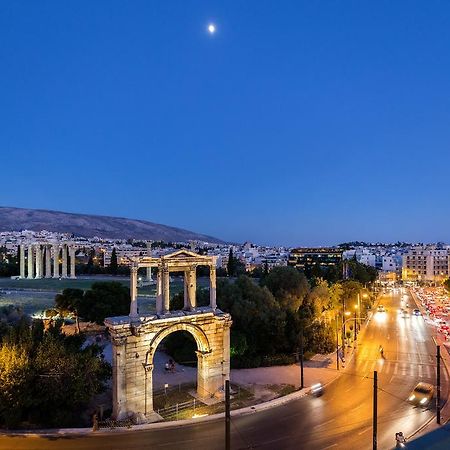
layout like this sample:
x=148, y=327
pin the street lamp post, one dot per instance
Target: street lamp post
x=337, y=343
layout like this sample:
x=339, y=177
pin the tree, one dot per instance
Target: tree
x=231, y=265
x=288, y=285
x=447, y=284
x=105, y=299
x=15, y=375
x=70, y=302
x=113, y=266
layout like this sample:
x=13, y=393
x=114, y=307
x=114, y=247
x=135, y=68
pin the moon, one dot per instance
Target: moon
x=211, y=28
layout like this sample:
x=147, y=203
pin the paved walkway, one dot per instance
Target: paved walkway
x=321, y=369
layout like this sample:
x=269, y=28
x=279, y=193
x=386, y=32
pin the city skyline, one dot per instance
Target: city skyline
x=301, y=124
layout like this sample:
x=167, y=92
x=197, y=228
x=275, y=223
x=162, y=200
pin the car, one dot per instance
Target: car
x=422, y=394
x=416, y=312
x=317, y=389
x=381, y=308
x=405, y=313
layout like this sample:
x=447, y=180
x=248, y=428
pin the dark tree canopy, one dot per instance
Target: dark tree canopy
x=105, y=299
x=47, y=378
x=288, y=285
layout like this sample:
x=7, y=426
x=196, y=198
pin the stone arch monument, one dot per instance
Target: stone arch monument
x=136, y=337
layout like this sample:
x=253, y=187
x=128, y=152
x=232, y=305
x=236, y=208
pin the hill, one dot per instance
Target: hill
x=86, y=225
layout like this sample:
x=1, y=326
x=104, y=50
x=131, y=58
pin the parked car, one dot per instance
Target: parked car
x=416, y=312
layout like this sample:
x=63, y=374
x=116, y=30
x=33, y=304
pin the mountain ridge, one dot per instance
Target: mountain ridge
x=90, y=225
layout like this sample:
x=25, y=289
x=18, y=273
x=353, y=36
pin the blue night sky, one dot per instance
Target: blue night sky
x=297, y=123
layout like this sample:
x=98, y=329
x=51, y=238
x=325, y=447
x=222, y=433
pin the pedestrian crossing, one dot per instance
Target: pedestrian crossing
x=419, y=370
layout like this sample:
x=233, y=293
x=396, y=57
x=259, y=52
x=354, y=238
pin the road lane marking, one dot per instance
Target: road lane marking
x=403, y=370
x=420, y=371
x=330, y=446
x=364, y=431
x=176, y=442
x=411, y=370
x=395, y=369
x=324, y=423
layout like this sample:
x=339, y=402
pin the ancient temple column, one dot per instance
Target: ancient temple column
x=133, y=291
x=192, y=287
x=159, y=298
x=64, y=261
x=212, y=287
x=22, y=260
x=72, y=262
x=38, y=262
x=166, y=289
x=149, y=253
x=48, y=262
x=56, y=261
x=30, y=262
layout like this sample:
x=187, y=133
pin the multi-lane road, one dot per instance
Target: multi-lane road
x=341, y=418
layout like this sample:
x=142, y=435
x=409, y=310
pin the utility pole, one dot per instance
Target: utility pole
x=302, y=384
x=227, y=416
x=438, y=384
x=375, y=410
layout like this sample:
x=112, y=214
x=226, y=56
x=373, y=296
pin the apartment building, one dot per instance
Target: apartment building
x=425, y=263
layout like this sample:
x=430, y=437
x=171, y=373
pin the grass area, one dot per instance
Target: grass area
x=57, y=285
x=173, y=396
x=35, y=296
x=281, y=389
x=240, y=398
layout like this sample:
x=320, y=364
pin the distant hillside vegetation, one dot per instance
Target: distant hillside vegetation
x=16, y=219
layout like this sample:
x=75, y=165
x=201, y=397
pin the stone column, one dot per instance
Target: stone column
x=204, y=389
x=212, y=287
x=56, y=261
x=48, y=262
x=72, y=262
x=192, y=288
x=186, y=303
x=22, y=260
x=42, y=261
x=159, y=298
x=133, y=291
x=64, y=261
x=119, y=378
x=38, y=262
x=30, y=262
x=149, y=254
x=148, y=400
x=166, y=289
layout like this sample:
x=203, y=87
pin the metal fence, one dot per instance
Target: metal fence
x=110, y=423
x=172, y=412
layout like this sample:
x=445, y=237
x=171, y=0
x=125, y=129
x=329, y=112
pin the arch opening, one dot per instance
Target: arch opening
x=179, y=370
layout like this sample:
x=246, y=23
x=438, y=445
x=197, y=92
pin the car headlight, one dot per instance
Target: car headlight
x=423, y=401
x=412, y=397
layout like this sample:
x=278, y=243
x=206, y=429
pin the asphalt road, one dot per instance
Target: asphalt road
x=340, y=419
